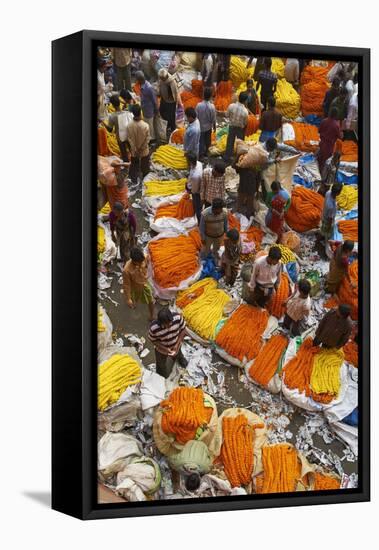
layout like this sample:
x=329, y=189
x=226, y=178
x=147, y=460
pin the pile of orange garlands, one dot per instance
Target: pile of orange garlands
x=233, y=340
x=281, y=469
x=348, y=150
x=266, y=363
x=102, y=143
x=237, y=451
x=346, y=294
x=233, y=221
x=186, y=298
x=177, y=136
x=349, y=229
x=253, y=234
x=305, y=210
x=305, y=134
x=276, y=306
x=324, y=482
x=191, y=99
x=223, y=97
x=175, y=259
x=181, y=210
x=184, y=412
x=314, y=85
x=351, y=352
x=252, y=125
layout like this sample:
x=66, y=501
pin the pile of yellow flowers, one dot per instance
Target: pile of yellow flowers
x=254, y=137
x=238, y=71
x=106, y=209
x=287, y=254
x=204, y=312
x=113, y=144
x=115, y=375
x=287, y=99
x=100, y=239
x=277, y=67
x=348, y=197
x=164, y=188
x=170, y=156
x=325, y=377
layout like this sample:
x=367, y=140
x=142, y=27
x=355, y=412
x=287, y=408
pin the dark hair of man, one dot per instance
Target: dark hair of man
x=192, y=482
x=275, y=253
x=233, y=235
x=192, y=158
x=243, y=97
x=136, y=110
x=304, y=286
x=165, y=316
x=125, y=94
x=217, y=203
x=268, y=63
x=220, y=167
x=275, y=186
x=207, y=94
x=336, y=189
x=136, y=255
x=190, y=112
x=271, y=144
x=348, y=246
x=344, y=310
x=115, y=100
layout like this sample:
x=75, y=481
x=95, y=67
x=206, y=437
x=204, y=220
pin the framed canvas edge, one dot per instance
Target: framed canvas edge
x=88, y=489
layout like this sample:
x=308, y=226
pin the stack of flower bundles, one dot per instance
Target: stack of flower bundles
x=238, y=71
x=233, y=341
x=181, y=210
x=193, y=97
x=174, y=259
x=268, y=360
x=314, y=372
x=305, y=211
x=164, y=188
x=314, y=85
x=115, y=375
x=203, y=305
x=307, y=137
x=223, y=95
x=173, y=157
x=287, y=99
x=282, y=469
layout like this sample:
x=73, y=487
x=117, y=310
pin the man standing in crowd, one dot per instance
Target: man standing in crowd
x=252, y=97
x=119, y=121
x=298, y=308
x=123, y=226
x=213, y=183
x=192, y=134
x=335, y=328
x=149, y=103
x=206, y=113
x=330, y=95
x=167, y=334
x=138, y=138
x=135, y=282
x=223, y=67
x=208, y=69
x=271, y=121
x=122, y=58
x=170, y=98
x=292, y=71
x=248, y=187
x=194, y=180
x=329, y=211
x=117, y=187
x=213, y=226
x=238, y=117
x=329, y=133
x=265, y=277
x=267, y=81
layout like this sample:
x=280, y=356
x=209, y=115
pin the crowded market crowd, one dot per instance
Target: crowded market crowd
x=227, y=250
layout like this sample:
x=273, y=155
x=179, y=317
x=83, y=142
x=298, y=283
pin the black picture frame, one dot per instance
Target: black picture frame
x=74, y=356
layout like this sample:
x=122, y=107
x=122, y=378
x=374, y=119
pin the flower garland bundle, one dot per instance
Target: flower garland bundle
x=174, y=259
x=282, y=469
x=314, y=85
x=238, y=71
x=277, y=67
x=348, y=197
x=185, y=297
x=323, y=482
x=252, y=125
x=223, y=95
x=164, y=188
x=100, y=239
x=177, y=136
x=305, y=210
x=297, y=372
x=183, y=209
x=349, y=229
x=347, y=294
x=166, y=211
x=351, y=352
x=254, y=234
x=234, y=341
x=291, y=240
x=276, y=306
x=237, y=450
x=112, y=143
x=348, y=150
x=106, y=208
x=168, y=155
x=287, y=99
x=325, y=377
x=287, y=254
x=115, y=375
x=306, y=137
x=233, y=221
x=189, y=99
x=204, y=313
x=266, y=363
x=184, y=412
x=102, y=143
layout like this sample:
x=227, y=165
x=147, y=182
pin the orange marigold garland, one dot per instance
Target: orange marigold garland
x=297, y=372
x=282, y=469
x=276, y=306
x=237, y=451
x=348, y=150
x=266, y=363
x=305, y=210
x=306, y=137
x=233, y=340
x=351, y=352
x=223, y=95
x=177, y=136
x=347, y=294
x=184, y=412
x=349, y=229
x=325, y=483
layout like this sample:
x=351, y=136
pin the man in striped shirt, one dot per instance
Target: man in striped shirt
x=167, y=334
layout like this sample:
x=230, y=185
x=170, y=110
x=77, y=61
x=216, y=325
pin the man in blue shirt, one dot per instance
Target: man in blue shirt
x=149, y=103
x=192, y=134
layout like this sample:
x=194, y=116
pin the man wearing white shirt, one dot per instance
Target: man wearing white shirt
x=265, y=277
x=194, y=182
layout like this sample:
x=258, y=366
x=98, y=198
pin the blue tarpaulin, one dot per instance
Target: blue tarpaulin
x=209, y=269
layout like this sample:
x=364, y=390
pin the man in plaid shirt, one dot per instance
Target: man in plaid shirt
x=267, y=80
x=238, y=117
x=213, y=183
